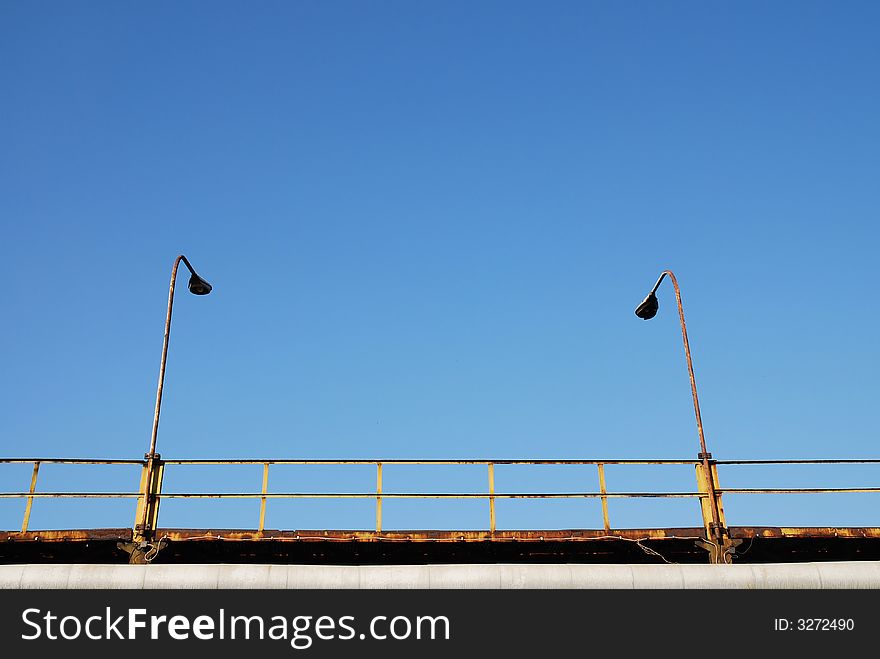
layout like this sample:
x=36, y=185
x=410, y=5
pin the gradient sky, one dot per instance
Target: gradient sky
x=427, y=226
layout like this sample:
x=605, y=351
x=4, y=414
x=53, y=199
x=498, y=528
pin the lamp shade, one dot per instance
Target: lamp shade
x=198, y=286
x=648, y=308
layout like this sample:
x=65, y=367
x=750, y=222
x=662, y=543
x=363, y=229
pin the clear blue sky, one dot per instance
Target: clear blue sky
x=427, y=226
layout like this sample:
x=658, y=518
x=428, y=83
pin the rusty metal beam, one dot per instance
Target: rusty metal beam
x=746, y=532
x=67, y=535
x=556, y=535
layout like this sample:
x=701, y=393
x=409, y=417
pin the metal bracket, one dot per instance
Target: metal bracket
x=707, y=456
x=140, y=553
x=719, y=528
x=717, y=553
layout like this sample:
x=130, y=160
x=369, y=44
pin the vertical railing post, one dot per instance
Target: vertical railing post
x=147, y=515
x=263, y=491
x=30, y=499
x=713, y=468
x=492, y=497
x=711, y=508
x=605, y=522
x=143, y=491
x=705, y=504
x=378, y=497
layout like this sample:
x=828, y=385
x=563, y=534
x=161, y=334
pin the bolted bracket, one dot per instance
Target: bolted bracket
x=718, y=553
x=719, y=530
x=142, y=553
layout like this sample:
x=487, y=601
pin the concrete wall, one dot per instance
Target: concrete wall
x=862, y=574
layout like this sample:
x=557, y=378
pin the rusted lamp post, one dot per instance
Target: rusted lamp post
x=197, y=286
x=647, y=310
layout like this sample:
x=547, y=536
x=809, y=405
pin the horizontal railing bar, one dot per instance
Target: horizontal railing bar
x=424, y=462
x=433, y=495
x=71, y=495
x=797, y=490
x=354, y=495
x=199, y=461
x=212, y=461
x=79, y=461
x=796, y=462
x=408, y=495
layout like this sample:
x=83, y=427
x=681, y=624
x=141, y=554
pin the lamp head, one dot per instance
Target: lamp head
x=198, y=286
x=648, y=308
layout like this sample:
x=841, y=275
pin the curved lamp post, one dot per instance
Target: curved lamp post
x=647, y=310
x=197, y=286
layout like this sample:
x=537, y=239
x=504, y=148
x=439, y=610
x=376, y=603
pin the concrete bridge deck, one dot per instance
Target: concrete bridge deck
x=849, y=575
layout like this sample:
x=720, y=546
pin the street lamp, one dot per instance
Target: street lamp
x=647, y=310
x=197, y=286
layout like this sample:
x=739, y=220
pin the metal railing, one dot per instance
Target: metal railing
x=150, y=494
